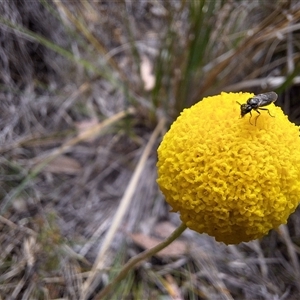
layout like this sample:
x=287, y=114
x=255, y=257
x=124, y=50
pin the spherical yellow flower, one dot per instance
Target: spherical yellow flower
x=230, y=177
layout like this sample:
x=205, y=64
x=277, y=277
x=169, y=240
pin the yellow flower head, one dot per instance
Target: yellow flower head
x=228, y=177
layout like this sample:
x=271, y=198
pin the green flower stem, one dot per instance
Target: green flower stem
x=140, y=257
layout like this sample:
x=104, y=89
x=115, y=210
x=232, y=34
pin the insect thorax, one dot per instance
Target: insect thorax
x=253, y=102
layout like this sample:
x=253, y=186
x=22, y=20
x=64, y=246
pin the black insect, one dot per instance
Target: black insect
x=256, y=103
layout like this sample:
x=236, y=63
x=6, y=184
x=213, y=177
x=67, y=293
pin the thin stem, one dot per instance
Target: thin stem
x=140, y=257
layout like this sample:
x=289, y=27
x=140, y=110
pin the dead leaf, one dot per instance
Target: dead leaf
x=177, y=248
x=146, y=73
x=64, y=165
x=164, y=229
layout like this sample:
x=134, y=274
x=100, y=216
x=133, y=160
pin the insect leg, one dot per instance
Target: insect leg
x=266, y=110
x=257, y=116
x=250, y=118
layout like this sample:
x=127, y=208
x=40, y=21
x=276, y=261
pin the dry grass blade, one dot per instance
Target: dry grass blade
x=292, y=253
x=64, y=148
x=90, y=37
x=18, y=289
x=89, y=133
x=262, y=262
x=16, y=270
x=271, y=82
x=92, y=281
x=256, y=40
x=14, y=226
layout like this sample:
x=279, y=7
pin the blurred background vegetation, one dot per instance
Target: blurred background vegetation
x=87, y=90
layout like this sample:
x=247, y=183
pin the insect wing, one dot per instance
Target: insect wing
x=266, y=98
